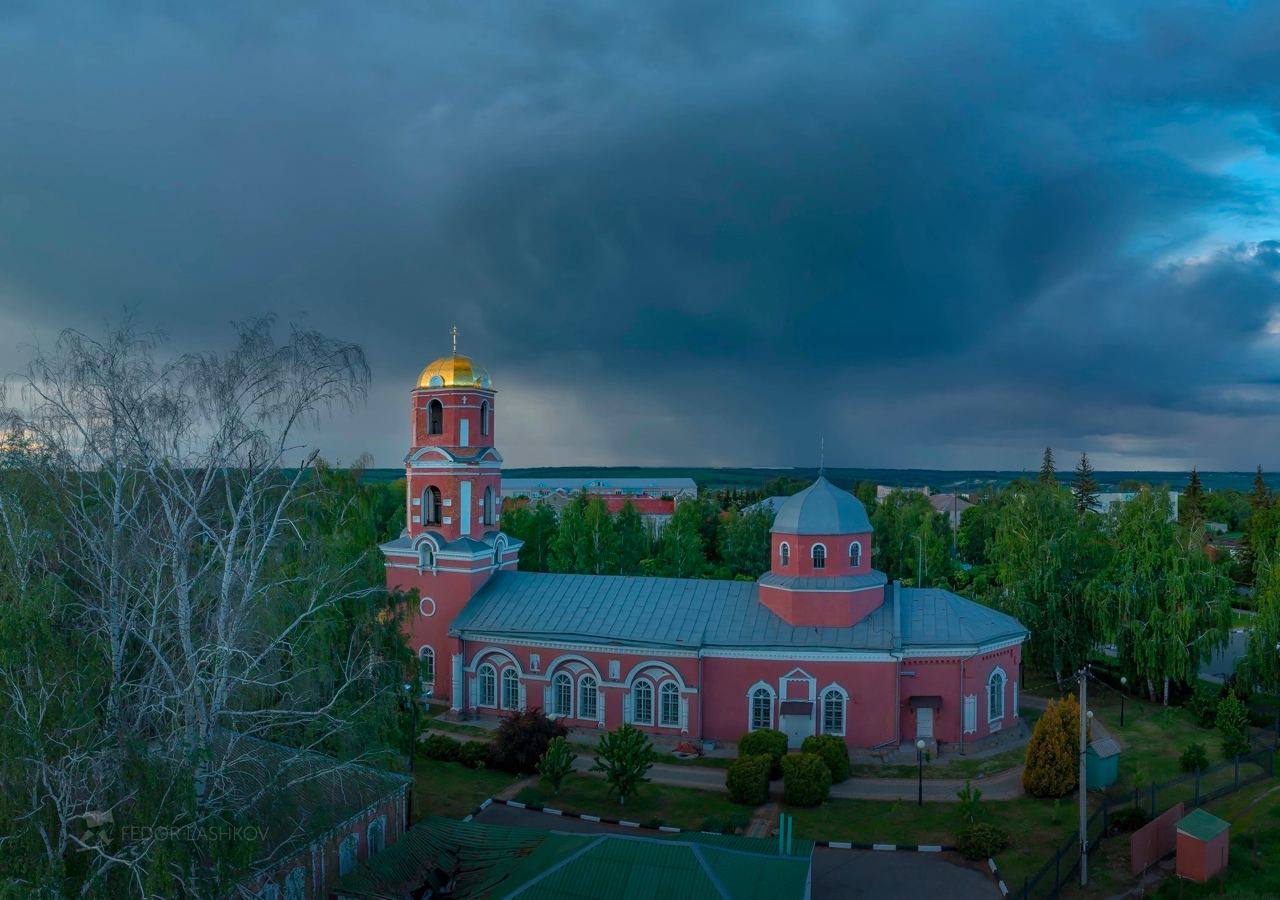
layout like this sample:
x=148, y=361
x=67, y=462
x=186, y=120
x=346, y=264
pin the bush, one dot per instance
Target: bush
x=1233, y=725
x=521, y=740
x=1131, y=818
x=441, y=746
x=475, y=754
x=1194, y=757
x=968, y=797
x=748, y=779
x=624, y=756
x=981, y=841
x=806, y=780
x=1203, y=703
x=834, y=752
x=768, y=742
x=1053, y=754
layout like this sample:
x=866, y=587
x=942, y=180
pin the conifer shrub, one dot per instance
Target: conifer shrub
x=766, y=741
x=1233, y=725
x=981, y=840
x=442, y=747
x=1053, y=754
x=834, y=752
x=806, y=780
x=748, y=779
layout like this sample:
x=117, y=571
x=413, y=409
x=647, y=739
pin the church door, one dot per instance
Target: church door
x=924, y=722
x=797, y=728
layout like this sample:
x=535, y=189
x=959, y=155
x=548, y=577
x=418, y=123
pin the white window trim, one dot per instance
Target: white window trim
x=852, y=545
x=581, y=684
x=426, y=607
x=502, y=687
x=970, y=714
x=555, y=694
x=813, y=552
x=784, y=554
x=1004, y=683
x=652, y=700
x=431, y=650
x=380, y=821
x=662, y=691
x=844, y=709
x=353, y=839
x=773, y=705
x=480, y=674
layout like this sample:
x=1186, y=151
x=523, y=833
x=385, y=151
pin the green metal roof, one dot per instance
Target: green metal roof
x=1201, y=825
x=496, y=861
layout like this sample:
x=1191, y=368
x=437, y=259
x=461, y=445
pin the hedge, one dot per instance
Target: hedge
x=834, y=752
x=441, y=746
x=806, y=780
x=748, y=779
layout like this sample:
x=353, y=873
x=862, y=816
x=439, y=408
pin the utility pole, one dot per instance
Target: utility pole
x=1084, y=808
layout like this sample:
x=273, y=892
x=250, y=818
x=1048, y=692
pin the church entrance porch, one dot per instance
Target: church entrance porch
x=796, y=719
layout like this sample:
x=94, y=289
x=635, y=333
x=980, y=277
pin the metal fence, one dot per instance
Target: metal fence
x=1194, y=790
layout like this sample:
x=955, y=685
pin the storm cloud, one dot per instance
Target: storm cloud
x=932, y=234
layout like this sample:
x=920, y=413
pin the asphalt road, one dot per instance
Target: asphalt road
x=836, y=873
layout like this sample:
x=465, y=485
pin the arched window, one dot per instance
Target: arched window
x=426, y=557
x=819, y=556
x=435, y=417
x=995, y=695
x=295, y=884
x=487, y=517
x=488, y=686
x=510, y=688
x=832, y=712
x=431, y=506
x=564, y=694
x=427, y=666
x=588, y=698
x=347, y=852
x=855, y=554
x=761, y=709
x=669, y=705
x=484, y=417
x=642, y=702
x=784, y=555
x=377, y=835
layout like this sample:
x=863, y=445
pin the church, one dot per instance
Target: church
x=822, y=643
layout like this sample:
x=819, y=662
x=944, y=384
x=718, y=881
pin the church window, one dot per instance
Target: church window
x=761, y=709
x=431, y=506
x=426, y=557
x=855, y=554
x=588, y=698
x=347, y=852
x=819, y=556
x=427, y=666
x=832, y=712
x=376, y=835
x=564, y=694
x=487, y=512
x=995, y=695
x=435, y=417
x=484, y=417
x=510, y=689
x=670, y=705
x=784, y=555
x=488, y=686
x=642, y=703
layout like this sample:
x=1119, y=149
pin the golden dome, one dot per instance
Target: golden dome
x=454, y=371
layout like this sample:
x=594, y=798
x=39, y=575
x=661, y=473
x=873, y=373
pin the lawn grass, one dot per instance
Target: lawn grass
x=451, y=789
x=686, y=808
x=952, y=767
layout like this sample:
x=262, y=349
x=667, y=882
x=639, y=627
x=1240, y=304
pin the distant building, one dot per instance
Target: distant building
x=770, y=505
x=950, y=505
x=1105, y=502
x=1216, y=527
x=654, y=498
x=884, y=490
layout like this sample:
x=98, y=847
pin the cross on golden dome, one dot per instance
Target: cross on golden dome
x=454, y=370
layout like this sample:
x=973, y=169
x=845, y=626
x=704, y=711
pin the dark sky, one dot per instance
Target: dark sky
x=935, y=234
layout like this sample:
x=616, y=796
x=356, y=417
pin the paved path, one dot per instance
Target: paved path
x=836, y=873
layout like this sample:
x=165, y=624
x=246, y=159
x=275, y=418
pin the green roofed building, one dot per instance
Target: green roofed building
x=467, y=859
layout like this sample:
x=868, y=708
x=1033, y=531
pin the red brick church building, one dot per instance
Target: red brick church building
x=821, y=643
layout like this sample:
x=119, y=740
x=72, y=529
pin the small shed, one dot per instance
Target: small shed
x=1101, y=764
x=1203, y=840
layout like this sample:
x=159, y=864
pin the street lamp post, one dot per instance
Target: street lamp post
x=1123, y=681
x=920, y=767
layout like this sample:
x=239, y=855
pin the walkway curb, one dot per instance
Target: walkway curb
x=672, y=829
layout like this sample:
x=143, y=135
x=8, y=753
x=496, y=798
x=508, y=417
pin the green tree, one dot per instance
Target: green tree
x=1164, y=603
x=745, y=543
x=1233, y=725
x=977, y=532
x=634, y=539
x=1084, y=487
x=535, y=524
x=1053, y=753
x=586, y=542
x=681, y=552
x=625, y=757
x=1048, y=473
x=1191, y=504
x=557, y=762
x=913, y=540
x=1262, y=663
x=1046, y=557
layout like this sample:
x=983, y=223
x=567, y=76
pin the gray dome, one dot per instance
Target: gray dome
x=822, y=508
